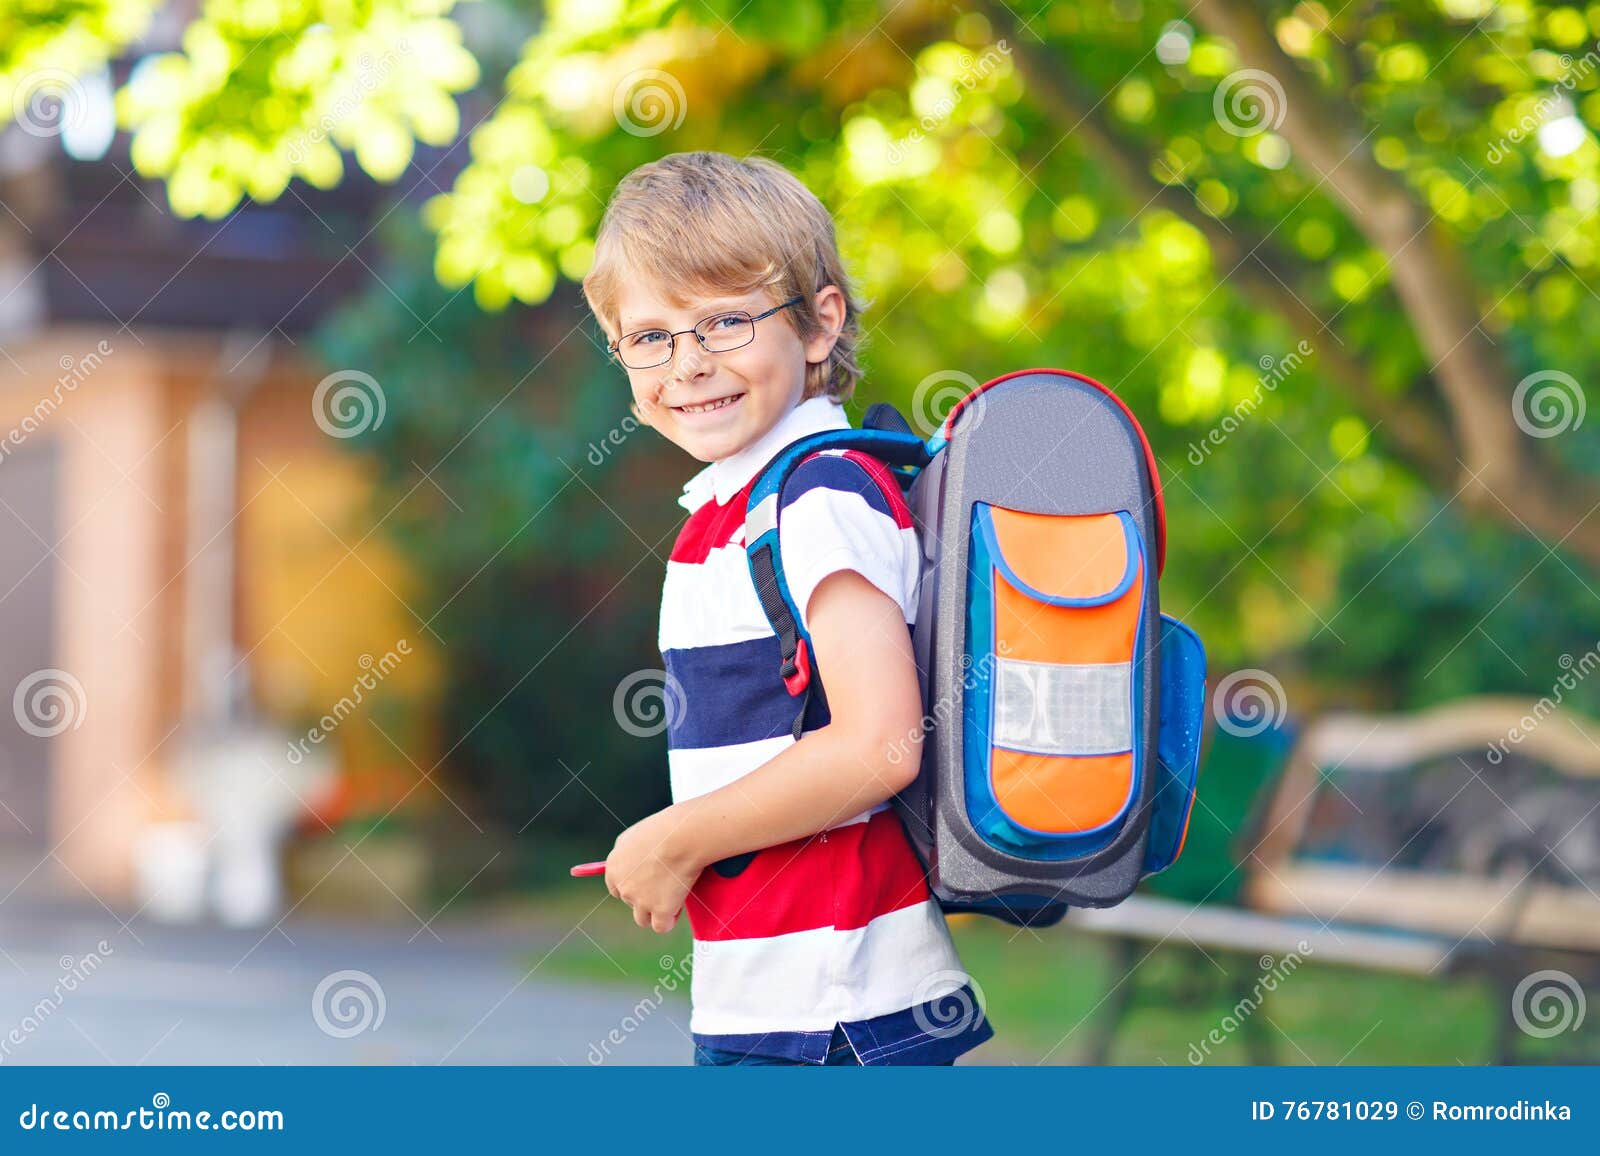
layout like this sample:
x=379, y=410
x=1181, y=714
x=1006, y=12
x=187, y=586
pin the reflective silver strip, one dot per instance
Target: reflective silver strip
x=761, y=518
x=1053, y=709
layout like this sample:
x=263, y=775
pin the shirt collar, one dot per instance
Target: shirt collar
x=724, y=478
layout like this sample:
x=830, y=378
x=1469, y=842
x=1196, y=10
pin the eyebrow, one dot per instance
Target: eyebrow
x=629, y=324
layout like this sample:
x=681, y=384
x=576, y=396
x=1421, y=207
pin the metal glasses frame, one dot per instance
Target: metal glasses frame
x=672, y=338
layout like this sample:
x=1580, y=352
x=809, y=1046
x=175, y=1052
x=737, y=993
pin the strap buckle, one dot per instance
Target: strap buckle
x=797, y=671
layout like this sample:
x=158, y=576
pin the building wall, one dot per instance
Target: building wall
x=316, y=588
x=95, y=396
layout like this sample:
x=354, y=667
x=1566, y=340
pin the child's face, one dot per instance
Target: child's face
x=765, y=379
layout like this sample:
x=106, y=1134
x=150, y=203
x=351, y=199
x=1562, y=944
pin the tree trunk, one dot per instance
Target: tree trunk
x=1461, y=435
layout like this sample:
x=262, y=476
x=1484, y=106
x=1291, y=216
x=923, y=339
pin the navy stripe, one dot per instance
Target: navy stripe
x=831, y=472
x=802, y=1047
x=955, y=1025
x=735, y=694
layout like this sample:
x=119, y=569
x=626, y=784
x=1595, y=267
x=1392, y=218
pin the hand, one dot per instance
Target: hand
x=650, y=870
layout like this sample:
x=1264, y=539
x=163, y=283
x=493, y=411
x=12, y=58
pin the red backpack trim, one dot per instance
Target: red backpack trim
x=1149, y=456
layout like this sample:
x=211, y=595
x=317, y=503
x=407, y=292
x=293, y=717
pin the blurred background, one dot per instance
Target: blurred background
x=330, y=557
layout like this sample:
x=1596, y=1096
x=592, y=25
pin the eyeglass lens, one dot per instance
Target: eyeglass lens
x=649, y=348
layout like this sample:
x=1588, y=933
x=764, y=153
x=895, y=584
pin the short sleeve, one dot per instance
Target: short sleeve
x=844, y=511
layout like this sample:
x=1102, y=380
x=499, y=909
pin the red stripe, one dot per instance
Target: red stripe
x=711, y=527
x=886, y=482
x=859, y=873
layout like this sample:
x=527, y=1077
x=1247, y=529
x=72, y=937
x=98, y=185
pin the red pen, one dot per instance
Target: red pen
x=590, y=868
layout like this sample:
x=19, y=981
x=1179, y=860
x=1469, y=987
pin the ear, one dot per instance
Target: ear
x=830, y=308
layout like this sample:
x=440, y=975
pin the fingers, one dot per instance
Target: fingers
x=658, y=922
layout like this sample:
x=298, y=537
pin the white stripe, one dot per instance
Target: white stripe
x=697, y=771
x=824, y=531
x=764, y=515
x=792, y=982
x=761, y=517
x=710, y=603
x=713, y=603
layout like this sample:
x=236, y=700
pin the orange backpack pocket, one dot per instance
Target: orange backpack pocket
x=1055, y=609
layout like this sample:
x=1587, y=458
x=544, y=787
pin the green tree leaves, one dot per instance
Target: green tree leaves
x=261, y=94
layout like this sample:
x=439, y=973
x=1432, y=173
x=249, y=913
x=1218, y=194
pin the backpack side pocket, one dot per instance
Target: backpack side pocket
x=1183, y=701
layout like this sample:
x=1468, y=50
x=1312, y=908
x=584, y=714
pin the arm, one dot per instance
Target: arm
x=870, y=750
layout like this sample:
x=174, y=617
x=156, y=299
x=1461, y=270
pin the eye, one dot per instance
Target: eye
x=646, y=337
x=725, y=321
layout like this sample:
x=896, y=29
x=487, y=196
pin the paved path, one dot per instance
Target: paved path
x=215, y=995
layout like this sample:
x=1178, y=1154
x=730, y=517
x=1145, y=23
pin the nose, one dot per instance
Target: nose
x=689, y=362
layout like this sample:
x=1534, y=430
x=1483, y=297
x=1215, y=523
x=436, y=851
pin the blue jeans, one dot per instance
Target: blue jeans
x=839, y=1053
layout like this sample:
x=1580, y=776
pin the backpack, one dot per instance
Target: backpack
x=1062, y=710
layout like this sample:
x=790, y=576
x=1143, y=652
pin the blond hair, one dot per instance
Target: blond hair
x=713, y=225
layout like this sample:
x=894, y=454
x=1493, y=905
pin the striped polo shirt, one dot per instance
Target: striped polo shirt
x=838, y=928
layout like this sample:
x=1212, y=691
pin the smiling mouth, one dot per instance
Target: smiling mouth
x=709, y=406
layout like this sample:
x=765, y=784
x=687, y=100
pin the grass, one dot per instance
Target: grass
x=1045, y=992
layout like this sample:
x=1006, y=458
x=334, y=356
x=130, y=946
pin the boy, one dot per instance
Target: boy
x=719, y=284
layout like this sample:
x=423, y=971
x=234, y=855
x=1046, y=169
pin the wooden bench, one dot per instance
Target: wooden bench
x=1518, y=915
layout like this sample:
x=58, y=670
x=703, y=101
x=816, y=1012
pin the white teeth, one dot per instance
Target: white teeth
x=708, y=408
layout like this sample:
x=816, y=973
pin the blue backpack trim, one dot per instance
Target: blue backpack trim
x=903, y=452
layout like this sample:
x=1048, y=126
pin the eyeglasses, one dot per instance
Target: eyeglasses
x=649, y=348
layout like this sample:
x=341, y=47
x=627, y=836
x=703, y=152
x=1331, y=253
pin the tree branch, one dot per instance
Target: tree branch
x=1503, y=475
x=1260, y=270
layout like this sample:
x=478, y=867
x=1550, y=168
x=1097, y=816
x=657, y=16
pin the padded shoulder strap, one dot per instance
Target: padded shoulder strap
x=905, y=453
